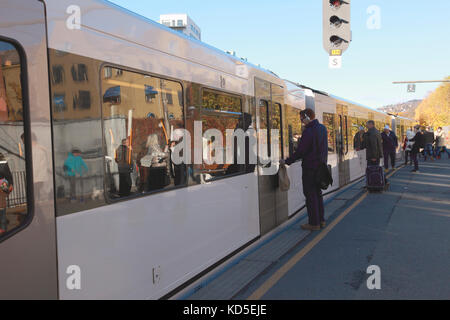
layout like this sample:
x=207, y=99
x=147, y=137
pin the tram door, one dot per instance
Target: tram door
x=343, y=140
x=28, y=264
x=273, y=206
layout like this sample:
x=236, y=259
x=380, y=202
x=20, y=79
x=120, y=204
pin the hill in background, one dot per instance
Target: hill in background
x=405, y=109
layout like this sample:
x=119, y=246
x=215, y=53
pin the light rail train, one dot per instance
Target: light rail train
x=85, y=107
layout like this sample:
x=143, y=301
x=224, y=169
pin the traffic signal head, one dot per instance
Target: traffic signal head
x=336, y=25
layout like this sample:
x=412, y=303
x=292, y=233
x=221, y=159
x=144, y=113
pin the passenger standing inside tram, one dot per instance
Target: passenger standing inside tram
x=123, y=159
x=313, y=149
x=357, y=145
x=390, y=145
x=419, y=142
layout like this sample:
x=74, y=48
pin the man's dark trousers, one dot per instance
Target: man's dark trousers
x=389, y=154
x=415, y=159
x=314, y=197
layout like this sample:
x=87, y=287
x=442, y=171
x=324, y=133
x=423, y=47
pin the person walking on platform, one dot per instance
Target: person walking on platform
x=419, y=142
x=429, y=140
x=408, y=146
x=313, y=149
x=373, y=144
x=390, y=145
x=441, y=143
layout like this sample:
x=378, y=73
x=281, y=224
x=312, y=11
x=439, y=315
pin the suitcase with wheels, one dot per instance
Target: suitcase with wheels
x=375, y=179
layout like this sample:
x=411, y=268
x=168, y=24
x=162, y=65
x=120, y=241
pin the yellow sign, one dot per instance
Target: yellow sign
x=336, y=52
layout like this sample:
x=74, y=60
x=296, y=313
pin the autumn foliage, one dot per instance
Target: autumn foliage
x=435, y=109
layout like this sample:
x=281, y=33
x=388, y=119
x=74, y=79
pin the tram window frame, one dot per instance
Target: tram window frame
x=139, y=195
x=27, y=141
x=218, y=113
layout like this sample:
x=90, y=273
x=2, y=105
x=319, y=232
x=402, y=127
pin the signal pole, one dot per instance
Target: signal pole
x=337, y=33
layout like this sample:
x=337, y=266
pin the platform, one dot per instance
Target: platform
x=404, y=231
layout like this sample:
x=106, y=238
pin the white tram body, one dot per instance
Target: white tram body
x=116, y=76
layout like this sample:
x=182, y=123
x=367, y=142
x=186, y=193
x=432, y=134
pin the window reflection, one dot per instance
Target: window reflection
x=13, y=183
x=329, y=123
x=221, y=112
x=276, y=125
x=294, y=128
x=77, y=135
x=140, y=116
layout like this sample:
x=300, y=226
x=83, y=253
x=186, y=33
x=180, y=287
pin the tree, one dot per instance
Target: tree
x=435, y=109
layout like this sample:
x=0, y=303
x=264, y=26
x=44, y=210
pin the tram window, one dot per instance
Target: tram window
x=222, y=112
x=13, y=182
x=77, y=135
x=329, y=123
x=214, y=101
x=354, y=125
x=140, y=134
x=294, y=128
x=276, y=124
x=263, y=114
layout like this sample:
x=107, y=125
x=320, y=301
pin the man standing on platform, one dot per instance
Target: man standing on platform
x=373, y=144
x=313, y=149
x=390, y=145
x=419, y=142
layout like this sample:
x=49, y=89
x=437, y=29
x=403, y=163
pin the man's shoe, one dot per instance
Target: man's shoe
x=323, y=225
x=310, y=227
x=414, y=171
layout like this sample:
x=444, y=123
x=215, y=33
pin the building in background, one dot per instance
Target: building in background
x=181, y=23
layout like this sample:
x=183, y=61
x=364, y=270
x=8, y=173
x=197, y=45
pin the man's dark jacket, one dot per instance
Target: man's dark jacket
x=373, y=144
x=429, y=137
x=312, y=147
x=390, y=142
x=419, y=142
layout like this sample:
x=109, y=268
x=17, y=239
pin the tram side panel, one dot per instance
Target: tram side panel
x=27, y=236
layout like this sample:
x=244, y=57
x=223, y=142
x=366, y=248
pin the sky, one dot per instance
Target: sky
x=285, y=37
